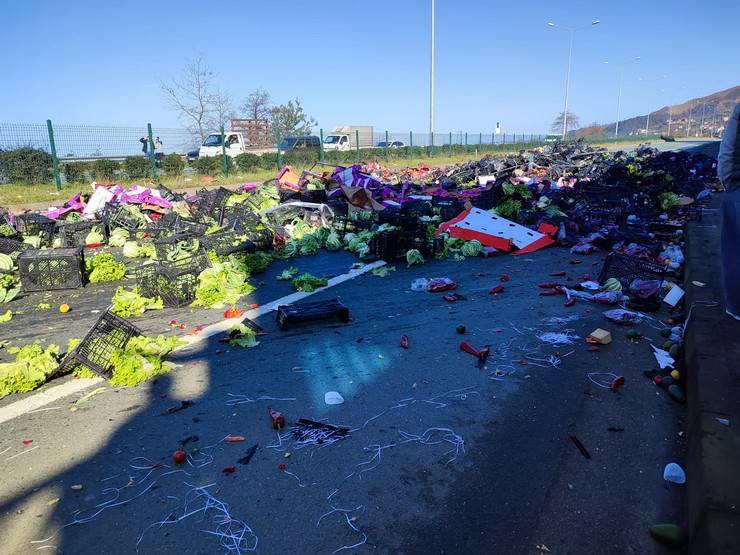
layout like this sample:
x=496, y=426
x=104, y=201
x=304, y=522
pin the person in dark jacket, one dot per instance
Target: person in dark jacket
x=728, y=170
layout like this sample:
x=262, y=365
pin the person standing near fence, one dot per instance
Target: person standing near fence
x=728, y=170
x=144, y=145
x=158, y=149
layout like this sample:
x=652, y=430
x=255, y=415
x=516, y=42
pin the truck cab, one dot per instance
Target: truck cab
x=336, y=142
x=233, y=142
x=306, y=142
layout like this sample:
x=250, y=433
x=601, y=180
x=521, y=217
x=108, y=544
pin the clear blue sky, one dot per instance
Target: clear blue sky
x=365, y=62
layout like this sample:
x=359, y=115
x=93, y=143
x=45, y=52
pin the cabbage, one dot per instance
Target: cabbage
x=32, y=366
x=118, y=237
x=413, y=256
x=362, y=249
x=104, y=267
x=6, y=263
x=141, y=359
x=129, y=303
x=131, y=249
x=349, y=237
x=241, y=335
x=355, y=243
x=291, y=248
x=308, y=283
x=288, y=274
x=33, y=240
x=221, y=285
x=453, y=243
x=95, y=236
x=7, y=317
x=472, y=248
x=333, y=242
x=6, y=230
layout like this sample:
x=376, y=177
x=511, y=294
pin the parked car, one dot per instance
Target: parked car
x=305, y=142
x=234, y=144
x=391, y=144
x=192, y=155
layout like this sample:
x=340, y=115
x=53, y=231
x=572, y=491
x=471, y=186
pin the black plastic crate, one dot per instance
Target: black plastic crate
x=628, y=268
x=227, y=242
x=448, y=207
x=404, y=222
x=485, y=200
x=338, y=205
x=598, y=216
x=36, y=224
x=347, y=224
x=309, y=312
x=119, y=216
x=9, y=246
x=288, y=195
x=109, y=334
x=51, y=269
x=239, y=217
x=73, y=234
x=174, y=282
x=164, y=247
x=393, y=245
x=210, y=201
x=416, y=208
x=316, y=195
x=605, y=195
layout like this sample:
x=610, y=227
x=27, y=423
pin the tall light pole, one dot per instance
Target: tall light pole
x=688, y=123
x=647, y=123
x=572, y=31
x=431, y=83
x=619, y=94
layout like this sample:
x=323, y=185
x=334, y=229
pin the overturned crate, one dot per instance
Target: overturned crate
x=227, y=242
x=36, y=224
x=209, y=202
x=109, y=334
x=74, y=234
x=52, y=269
x=174, y=282
x=120, y=216
x=626, y=269
x=10, y=246
x=169, y=248
x=309, y=312
x=393, y=245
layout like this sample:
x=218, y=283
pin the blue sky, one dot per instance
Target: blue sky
x=366, y=62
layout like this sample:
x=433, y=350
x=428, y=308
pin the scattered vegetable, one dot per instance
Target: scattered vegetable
x=308, y=283
x=127, y=303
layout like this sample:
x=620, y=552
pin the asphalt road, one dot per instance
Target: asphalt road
x=519, y=483
x=442, y=456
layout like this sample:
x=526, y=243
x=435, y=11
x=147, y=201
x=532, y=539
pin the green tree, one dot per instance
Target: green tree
x=290, y=119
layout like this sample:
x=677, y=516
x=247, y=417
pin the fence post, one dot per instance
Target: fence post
x=386, y=146
x=480, y=140
x=321, y=145
x=411, y=143
x=450, y=143
x=503, y=138
x=223, y=152
x=279, y=157
x=152, y=159
x=466, y=141
x=54, y=159
x=357, y=144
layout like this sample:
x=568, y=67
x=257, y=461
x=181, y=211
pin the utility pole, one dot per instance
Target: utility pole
x=431, y=81
x=670, y=115
x=688, y=123
x=701, y=127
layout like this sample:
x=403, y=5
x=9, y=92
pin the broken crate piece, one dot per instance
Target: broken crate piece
x=308, y=312
x=109, y=333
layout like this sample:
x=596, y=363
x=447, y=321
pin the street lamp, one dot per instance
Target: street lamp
x=431, y=83
x=571, y=30
x=647, y=123
x=619, y=94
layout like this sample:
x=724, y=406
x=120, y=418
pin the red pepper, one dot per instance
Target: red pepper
x=549, y=285
x=468, y=348
x=496, y=290
x=549, y=293
x=405, y=341
x=233, y=312
x=557, y=274
x=253, y=305
x=504, y=277
x=27, y=441
x=569, y=303
x=179, y=456
x=594, y=349
x=278, y=420
x=616, y=382
x=576, y=261
x=229, y=470
x=234, y=439
x=657, y=380
x=281, y=466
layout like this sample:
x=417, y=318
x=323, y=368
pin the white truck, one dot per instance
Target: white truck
x=345, y=137
x=235, y=141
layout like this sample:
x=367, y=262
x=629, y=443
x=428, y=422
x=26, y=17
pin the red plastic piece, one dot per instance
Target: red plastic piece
x=229, y=470
x=405, y=341
x=504, y=277
x=496, y=290
x=481, y=355
x=278, y=420
x=557, y=274
x=616, y=382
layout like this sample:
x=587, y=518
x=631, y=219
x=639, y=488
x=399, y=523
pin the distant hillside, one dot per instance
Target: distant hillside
x=711, y=110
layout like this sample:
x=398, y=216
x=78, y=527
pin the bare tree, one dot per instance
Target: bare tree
x=557, y=125
x=192, y=96
x=257, y=105
x=221, y=110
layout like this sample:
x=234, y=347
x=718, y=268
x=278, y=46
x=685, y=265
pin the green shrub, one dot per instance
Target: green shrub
x=246, y=161
x=26, y=165
x=268, y=161
x=208, y=165
x=173, y=164
x=105, y=169
x=75, y=172
x=137, y=167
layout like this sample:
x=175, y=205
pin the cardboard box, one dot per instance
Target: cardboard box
x=602, y=337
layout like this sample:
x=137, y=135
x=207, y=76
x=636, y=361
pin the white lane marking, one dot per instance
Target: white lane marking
x=33, y=402
x=42, y=398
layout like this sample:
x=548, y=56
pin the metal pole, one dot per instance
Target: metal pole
x=466, y=141
x=386, y=146
x=688, y=123
x=431, y=84
x=567, y=86
x=670, y=115
x=619, y=103
x=450, y=143
x=701, y=127
x=647, y=125
x=411, y=142
x=54, y=159
x=152, y=159
x=357, y=144
x=321, y=145
x=223, y=152
x=279, y=156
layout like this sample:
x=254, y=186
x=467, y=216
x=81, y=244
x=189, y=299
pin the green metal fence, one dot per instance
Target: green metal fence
x=82, y=143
